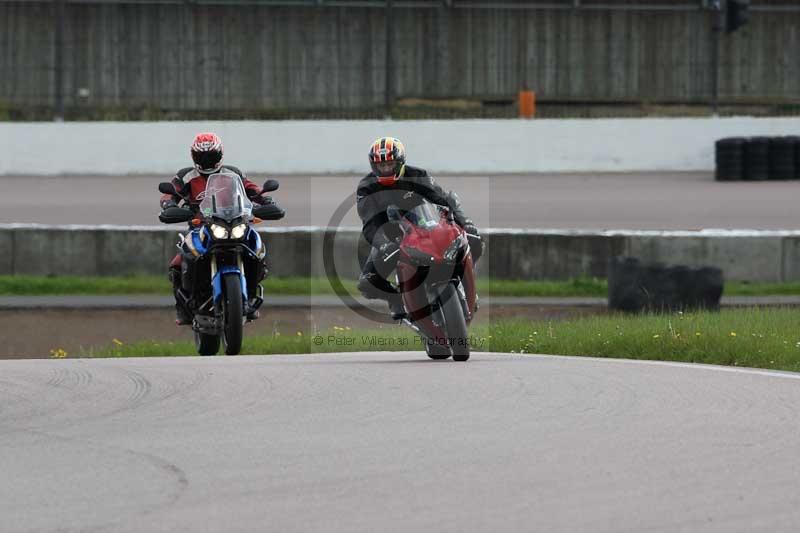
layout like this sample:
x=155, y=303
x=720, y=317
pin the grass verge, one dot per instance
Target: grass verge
x=75, y=285
x=585, y=287
x=763, y=338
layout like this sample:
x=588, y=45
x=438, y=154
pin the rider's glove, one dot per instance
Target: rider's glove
x=470, y=228
x=262, y=200
x=166, y=204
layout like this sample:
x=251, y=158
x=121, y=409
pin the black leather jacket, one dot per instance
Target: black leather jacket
x=372, y=199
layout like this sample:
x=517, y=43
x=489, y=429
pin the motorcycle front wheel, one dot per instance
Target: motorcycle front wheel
x=455, y=325
x=232, y=313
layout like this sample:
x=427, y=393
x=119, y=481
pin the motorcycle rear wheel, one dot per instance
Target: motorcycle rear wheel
x=455, y=323
x=435, y=351
x=206, y=344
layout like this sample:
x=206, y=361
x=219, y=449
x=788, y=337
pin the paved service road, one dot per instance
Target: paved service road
x=577, y=201
x=393, y=442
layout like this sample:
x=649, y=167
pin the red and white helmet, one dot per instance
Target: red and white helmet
x=207, y=152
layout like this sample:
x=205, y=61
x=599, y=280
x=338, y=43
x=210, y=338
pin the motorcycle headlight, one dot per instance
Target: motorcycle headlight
x=451, y=254
x=238, y=231
x=219, y=232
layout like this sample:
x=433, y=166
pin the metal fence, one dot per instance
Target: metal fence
x=162, y=59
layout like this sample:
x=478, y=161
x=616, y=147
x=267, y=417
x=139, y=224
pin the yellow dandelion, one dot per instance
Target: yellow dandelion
x=299, y=333
x=656, y=336
x=117, y=342
x=733, y=333
x=58, y=353
x=697, y=334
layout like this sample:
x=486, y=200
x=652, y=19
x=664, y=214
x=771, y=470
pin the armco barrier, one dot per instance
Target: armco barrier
x=770, y=256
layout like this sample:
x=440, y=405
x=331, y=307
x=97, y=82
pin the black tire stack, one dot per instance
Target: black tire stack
x=797, y=158
x=757, y=158
x=782, y=158
x=635, y=287
x=730, y=159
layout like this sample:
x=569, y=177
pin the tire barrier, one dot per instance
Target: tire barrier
x=782, y=163
x=757, y=158
x=729, y=156
x=797, y=158
x=635, y=287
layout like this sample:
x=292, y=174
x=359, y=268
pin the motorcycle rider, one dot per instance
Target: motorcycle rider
x=393, y=182
x=190, y=184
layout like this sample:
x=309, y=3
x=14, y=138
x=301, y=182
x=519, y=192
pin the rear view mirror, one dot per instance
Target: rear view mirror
x=173, y=215
x=167, y=188
x=269, y=212
x=270, y=185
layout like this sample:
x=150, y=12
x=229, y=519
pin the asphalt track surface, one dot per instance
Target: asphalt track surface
x=652, y=201
x=393, y=442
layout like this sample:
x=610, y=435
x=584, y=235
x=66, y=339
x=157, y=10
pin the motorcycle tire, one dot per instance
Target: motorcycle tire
x=435, y=351
x=206, y=344
x=232, y=314
x=455, y=323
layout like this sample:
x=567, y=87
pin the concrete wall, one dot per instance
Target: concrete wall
x=490, y=146
x=770, y=256
x=185, y=55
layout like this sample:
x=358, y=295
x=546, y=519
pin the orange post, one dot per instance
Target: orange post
x=527, y=104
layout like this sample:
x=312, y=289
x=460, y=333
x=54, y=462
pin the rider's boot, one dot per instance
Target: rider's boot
x=396, y=307
x=261, y=275
x=182, y=317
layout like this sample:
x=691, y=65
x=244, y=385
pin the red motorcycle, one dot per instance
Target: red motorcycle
x=436, y=277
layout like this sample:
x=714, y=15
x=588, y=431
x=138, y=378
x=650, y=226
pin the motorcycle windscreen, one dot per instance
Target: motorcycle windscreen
x=225, y=198
x=425, y=215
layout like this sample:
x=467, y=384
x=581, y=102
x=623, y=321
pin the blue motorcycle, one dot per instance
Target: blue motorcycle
x=222, y=260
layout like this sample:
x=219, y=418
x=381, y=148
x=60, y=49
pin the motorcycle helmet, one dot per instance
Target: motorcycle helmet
x=387, y=157
x=207, y=153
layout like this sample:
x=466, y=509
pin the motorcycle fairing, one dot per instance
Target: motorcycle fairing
x=197, y=242
x=257, y=245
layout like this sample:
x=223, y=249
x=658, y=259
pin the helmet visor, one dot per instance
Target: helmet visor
x=385, y=168
x=208, y=160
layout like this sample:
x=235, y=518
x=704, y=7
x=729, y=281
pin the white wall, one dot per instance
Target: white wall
x=341, y=146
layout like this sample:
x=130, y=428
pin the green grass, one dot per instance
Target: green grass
x=576, y=287
x=764, y=338
x=50, y=285
x=592, y=287
x=752, y=337
x=74, y=285
x=741, y=288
